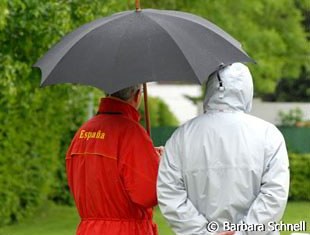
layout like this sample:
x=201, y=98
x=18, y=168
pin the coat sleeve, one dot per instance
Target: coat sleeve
x=139, y=167
x=270, y=203
x=174, y=204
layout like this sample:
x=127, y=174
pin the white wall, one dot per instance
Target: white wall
x=184, y=109
x=269, y=111
x=173, y=96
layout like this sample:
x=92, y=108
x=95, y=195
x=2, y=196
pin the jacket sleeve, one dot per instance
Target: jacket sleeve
x=179, y=211
x=139, y=167
x=270, y=203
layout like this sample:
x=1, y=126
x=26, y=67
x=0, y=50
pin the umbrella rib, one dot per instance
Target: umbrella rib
x=186, y=59
x=215, y=33
x=236, y=44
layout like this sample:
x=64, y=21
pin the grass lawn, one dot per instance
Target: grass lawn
x=62, y=220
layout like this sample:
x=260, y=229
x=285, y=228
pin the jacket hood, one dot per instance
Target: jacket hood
x=230, y=88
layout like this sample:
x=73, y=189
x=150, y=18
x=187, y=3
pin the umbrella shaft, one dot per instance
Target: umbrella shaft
x=138, y=5
x=146, y=110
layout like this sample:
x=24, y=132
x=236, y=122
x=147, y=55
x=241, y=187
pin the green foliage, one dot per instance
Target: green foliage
x=3, y=13
x=160, y=115
x=34, y=122
x=289, y=90
x=290, y=118
x=304, y=6
x=300, y=176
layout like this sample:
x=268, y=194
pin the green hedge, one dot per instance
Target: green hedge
x=30, y=142
x=160, y=114
x=33, y=120
x=300, y=176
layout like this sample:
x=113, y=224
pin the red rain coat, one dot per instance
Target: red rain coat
x=112, y=170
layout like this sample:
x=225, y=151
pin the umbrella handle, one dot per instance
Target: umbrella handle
x=146, y=110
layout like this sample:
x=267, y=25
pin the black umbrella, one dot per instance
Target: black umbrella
x=139, y=46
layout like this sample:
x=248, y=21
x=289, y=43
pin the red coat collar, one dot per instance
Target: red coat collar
x=113, y=105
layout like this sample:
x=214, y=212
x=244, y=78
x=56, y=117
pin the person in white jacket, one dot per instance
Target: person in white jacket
x=225, y=169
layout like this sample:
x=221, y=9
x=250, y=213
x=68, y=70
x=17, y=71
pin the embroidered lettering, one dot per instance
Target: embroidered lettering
x=91, y=134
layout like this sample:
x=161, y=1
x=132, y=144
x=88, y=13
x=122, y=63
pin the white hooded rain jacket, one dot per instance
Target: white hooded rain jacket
x=224, y=165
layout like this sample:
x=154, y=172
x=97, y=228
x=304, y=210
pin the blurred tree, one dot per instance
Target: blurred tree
x=3, y=13
x=290, y=90
x=160, y=114
x=304, y=6
x=36, y=123
x=28, y=144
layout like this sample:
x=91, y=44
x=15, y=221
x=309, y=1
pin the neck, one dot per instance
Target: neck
x=130, y=101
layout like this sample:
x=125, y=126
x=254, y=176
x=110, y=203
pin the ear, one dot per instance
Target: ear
x=137, y=96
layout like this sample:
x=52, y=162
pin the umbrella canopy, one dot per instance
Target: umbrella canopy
x=135, y=47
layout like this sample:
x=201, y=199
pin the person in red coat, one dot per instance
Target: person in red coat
x=112, y=169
